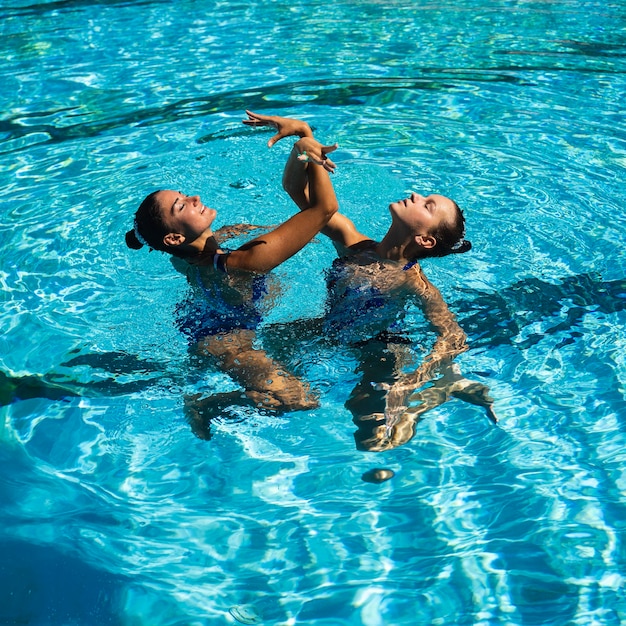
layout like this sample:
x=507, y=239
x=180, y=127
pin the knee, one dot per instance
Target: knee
x=289, y=398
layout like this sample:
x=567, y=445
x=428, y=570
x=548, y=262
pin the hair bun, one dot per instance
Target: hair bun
x=461, y=246
x=132, y=242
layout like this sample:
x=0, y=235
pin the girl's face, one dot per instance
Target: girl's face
x=185, y=215
x=423, y=214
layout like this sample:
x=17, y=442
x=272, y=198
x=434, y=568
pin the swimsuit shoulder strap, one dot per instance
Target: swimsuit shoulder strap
x=219, y=261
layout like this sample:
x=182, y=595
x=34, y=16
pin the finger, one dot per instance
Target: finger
x=318, y=159
x=327, y=149
x=329, y=165
x=257, y=123
x=255, y=119
x=277, y=137
x=254, y=116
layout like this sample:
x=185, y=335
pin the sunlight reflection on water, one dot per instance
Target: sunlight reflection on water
x=514, y=109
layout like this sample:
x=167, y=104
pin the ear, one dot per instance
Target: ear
x=173, y=239
x=425, y=241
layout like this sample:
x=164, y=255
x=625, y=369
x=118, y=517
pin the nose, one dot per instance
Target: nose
x=415, y=197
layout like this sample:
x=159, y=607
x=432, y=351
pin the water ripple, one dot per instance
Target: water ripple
x=515, y=110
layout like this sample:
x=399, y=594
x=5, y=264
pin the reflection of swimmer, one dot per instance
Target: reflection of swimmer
x=369, y=286
x=376, y=432
x=230, y=284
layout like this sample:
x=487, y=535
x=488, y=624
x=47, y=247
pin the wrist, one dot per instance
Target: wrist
x=305, y=130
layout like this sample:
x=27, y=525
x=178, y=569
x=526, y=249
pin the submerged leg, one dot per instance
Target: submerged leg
x=367, y=402
x=376, y=368
x=380, y=364
x=201, y=410
x=266, y=382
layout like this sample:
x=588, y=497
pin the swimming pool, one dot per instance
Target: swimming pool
x=114, y=512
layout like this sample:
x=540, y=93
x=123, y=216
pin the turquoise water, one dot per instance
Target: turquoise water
x=113, y=512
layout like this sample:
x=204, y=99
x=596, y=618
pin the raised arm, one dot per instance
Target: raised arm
x=265, y=252
x=339, y=229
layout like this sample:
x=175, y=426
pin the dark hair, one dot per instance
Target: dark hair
x=149, y=227
x=450, y=236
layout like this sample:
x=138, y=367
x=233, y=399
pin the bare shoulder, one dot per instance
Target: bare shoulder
x=365, y=266
x=417, y=281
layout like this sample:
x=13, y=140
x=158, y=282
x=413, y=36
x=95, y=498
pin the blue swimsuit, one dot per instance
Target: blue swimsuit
x=219, y=307
x=356, y=309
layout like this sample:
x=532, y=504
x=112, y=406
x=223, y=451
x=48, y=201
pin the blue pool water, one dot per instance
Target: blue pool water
x=113, y=512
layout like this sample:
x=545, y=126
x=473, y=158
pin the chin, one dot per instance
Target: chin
x=398, y=211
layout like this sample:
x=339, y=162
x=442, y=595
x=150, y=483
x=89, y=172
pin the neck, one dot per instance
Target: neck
x=205, y=245
x=395, y=245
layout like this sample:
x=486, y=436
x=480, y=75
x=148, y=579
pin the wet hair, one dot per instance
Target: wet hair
x=450, y=237
x=149, y=227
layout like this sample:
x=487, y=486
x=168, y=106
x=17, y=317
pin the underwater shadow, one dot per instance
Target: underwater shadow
x=496, y=318
x=490, y=319
x=60, y=386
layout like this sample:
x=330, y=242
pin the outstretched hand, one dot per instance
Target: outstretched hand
x=309, y=151
x=286, y=126
x=470, y=391
x=476, y=393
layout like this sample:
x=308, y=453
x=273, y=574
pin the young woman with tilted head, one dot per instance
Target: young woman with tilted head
x=230, y=285
x=368, y=288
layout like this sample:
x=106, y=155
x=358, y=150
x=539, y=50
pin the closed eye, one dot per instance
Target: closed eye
x=177, y=205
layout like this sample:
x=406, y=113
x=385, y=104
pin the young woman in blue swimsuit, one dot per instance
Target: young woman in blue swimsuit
x=368, y=286
x=230, y=285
